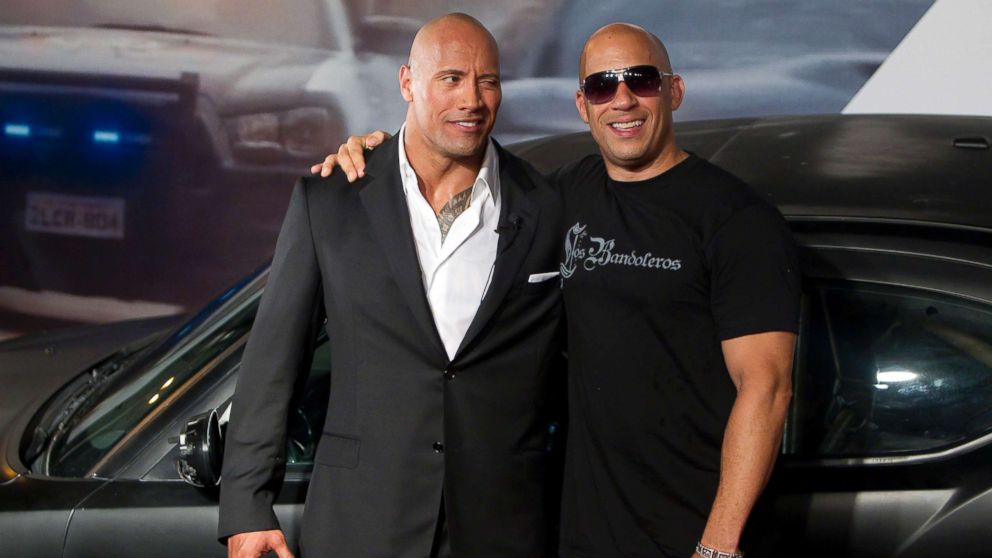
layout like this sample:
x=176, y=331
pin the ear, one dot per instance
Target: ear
x=677, y=90
x=406, y=83
x=580, y=105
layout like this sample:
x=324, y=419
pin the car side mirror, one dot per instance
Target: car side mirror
x=201, y=450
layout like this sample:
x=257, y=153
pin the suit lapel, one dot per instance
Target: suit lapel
x=387, y=212
x=518, y=220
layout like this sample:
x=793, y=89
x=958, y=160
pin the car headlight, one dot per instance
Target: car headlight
x=300, y=133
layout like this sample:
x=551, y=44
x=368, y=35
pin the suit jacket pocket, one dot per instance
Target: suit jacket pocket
x=536, y=289
x=336, y=450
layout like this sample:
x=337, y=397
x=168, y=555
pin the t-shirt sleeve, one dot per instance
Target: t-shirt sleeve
x=755, y=280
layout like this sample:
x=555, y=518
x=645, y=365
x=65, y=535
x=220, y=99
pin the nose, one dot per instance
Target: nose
x=624, y=99
x=470, y=97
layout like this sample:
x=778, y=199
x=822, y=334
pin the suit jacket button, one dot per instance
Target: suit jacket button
x=438, y=447
x=449, y=375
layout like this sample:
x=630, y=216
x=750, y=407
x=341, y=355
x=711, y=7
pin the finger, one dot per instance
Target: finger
x=376, y=138
x=282, y=551
x=355, y=154
x=328, y=165
x=346, y=159
x=316, y=168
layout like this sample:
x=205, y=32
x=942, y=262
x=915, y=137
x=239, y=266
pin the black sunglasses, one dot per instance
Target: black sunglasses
x=643, y=81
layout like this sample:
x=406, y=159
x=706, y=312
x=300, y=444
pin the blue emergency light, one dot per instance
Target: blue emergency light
x=106, y=136
x=17, y=130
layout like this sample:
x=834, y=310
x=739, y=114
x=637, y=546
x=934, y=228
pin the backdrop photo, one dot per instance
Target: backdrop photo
x=148, y=148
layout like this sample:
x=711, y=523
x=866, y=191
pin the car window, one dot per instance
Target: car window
x=151, y=382
x=884, y=371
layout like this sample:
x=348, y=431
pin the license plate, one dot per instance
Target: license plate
x=91, y=216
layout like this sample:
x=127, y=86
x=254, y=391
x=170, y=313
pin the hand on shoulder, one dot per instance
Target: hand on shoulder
x=351, y=155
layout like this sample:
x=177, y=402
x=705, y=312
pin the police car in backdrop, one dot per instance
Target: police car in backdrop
x=138, y=141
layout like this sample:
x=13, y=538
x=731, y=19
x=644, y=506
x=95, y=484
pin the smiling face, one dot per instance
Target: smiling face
x=634, y=133
x=453, y=89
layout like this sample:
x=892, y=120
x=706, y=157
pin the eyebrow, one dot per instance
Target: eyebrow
x=456, y=72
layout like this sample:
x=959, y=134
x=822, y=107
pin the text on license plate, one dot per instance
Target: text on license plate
x=91, y=216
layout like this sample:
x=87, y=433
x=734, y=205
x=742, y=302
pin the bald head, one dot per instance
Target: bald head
x=452, y=88
x=624, y=41
x=631, y=121
x=448, y=29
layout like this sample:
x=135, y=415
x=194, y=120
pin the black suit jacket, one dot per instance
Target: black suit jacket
x=346, y=252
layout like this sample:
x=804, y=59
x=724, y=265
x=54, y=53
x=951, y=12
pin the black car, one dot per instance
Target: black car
x=886, y=450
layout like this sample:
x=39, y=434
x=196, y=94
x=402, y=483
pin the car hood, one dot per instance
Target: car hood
x=34, y=367
x=221, y=64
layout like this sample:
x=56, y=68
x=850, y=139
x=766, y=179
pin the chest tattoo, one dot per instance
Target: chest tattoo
x=451, y=210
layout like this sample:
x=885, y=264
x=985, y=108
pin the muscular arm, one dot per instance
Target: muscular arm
x=760, y=366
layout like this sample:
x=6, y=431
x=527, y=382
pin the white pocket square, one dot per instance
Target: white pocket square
x=541, y=277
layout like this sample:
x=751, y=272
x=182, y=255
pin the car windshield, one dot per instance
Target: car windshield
x=154, y=380
x=298, y=23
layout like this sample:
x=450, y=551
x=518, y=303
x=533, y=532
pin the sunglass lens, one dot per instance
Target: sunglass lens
x=600, y=87
x=643, y=81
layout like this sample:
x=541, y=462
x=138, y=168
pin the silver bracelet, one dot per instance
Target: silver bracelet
x=707, y=552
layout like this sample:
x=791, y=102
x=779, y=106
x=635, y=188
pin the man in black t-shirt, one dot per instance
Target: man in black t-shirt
x=681, y=290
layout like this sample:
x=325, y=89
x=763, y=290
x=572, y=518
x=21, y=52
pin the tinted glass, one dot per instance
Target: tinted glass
x=120, y=403
x=150, y=380
x=888, y=372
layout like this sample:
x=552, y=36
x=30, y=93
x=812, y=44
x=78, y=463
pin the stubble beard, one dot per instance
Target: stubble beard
x=459, y=150
x=620, y=153
x=627, y=154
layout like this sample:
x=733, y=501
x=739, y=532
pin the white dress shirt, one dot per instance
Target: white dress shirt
x=457, y=272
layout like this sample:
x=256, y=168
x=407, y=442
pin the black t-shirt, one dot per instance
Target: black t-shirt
x=655, y=274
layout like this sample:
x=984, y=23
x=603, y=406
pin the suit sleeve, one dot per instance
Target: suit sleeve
x=278, y=355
